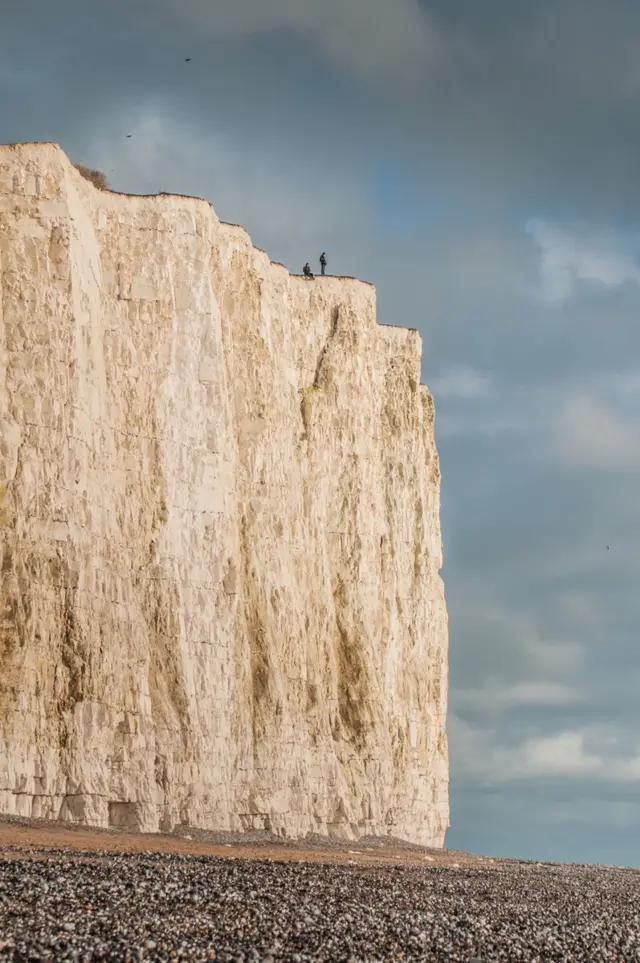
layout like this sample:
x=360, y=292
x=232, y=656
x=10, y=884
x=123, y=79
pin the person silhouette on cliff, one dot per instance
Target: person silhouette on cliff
x=323, y=262
x=307, y=270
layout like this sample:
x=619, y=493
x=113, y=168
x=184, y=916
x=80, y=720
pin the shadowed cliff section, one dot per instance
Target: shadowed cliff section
x=219, y=522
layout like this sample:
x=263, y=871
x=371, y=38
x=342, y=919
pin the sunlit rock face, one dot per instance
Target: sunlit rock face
x=219, y=529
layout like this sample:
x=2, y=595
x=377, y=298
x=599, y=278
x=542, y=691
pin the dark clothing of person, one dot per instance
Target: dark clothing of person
x=307, y=271
x=323, y=262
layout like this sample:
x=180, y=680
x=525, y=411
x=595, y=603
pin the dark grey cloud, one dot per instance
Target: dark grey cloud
x=542, y=96
x=374, y=40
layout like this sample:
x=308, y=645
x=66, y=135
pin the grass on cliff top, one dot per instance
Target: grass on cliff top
x=97, y=178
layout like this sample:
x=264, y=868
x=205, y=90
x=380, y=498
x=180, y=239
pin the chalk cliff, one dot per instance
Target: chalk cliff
x=219, y=529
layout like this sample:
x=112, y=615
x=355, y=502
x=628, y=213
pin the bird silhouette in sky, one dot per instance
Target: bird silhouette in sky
x=187, y=60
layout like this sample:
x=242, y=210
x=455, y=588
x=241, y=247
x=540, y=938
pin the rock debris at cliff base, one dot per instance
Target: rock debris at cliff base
x=157, y=906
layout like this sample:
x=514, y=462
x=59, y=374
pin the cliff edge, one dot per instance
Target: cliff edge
x=219, y=529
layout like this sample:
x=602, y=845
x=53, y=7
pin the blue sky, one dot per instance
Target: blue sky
x=478, y=163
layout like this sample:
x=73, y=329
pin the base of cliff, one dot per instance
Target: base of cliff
x=42, y=837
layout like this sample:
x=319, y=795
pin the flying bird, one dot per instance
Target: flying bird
x=608, y=548
x=128, y=135
x=187, y=60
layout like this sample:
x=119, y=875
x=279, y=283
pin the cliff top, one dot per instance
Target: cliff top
x=325, y=279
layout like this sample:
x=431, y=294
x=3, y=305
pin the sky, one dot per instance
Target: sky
x=480, y=163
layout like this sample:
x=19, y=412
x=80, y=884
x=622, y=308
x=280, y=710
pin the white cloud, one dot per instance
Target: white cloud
x=461, y=384
x=567, y=260
x=539, y=656
x=497, y=696
x=587, y=434
x=373, y=38
x=562, y=754
x=591, y=751
x=477, y=755
x=594, y=749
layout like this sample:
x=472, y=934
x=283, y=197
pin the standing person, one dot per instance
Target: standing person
x=323, y=262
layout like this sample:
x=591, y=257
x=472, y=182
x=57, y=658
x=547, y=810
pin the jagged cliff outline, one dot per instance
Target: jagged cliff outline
x=219, y=524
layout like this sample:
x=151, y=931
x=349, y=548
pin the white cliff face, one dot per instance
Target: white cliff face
x=219, y=529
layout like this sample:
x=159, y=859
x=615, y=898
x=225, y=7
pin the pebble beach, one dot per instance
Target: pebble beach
x=102, y=902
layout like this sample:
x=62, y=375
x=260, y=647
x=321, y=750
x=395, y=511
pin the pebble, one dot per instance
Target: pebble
x=164, y=907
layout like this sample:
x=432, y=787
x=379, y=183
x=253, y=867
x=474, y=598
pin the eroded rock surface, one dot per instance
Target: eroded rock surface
x=219, y=526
